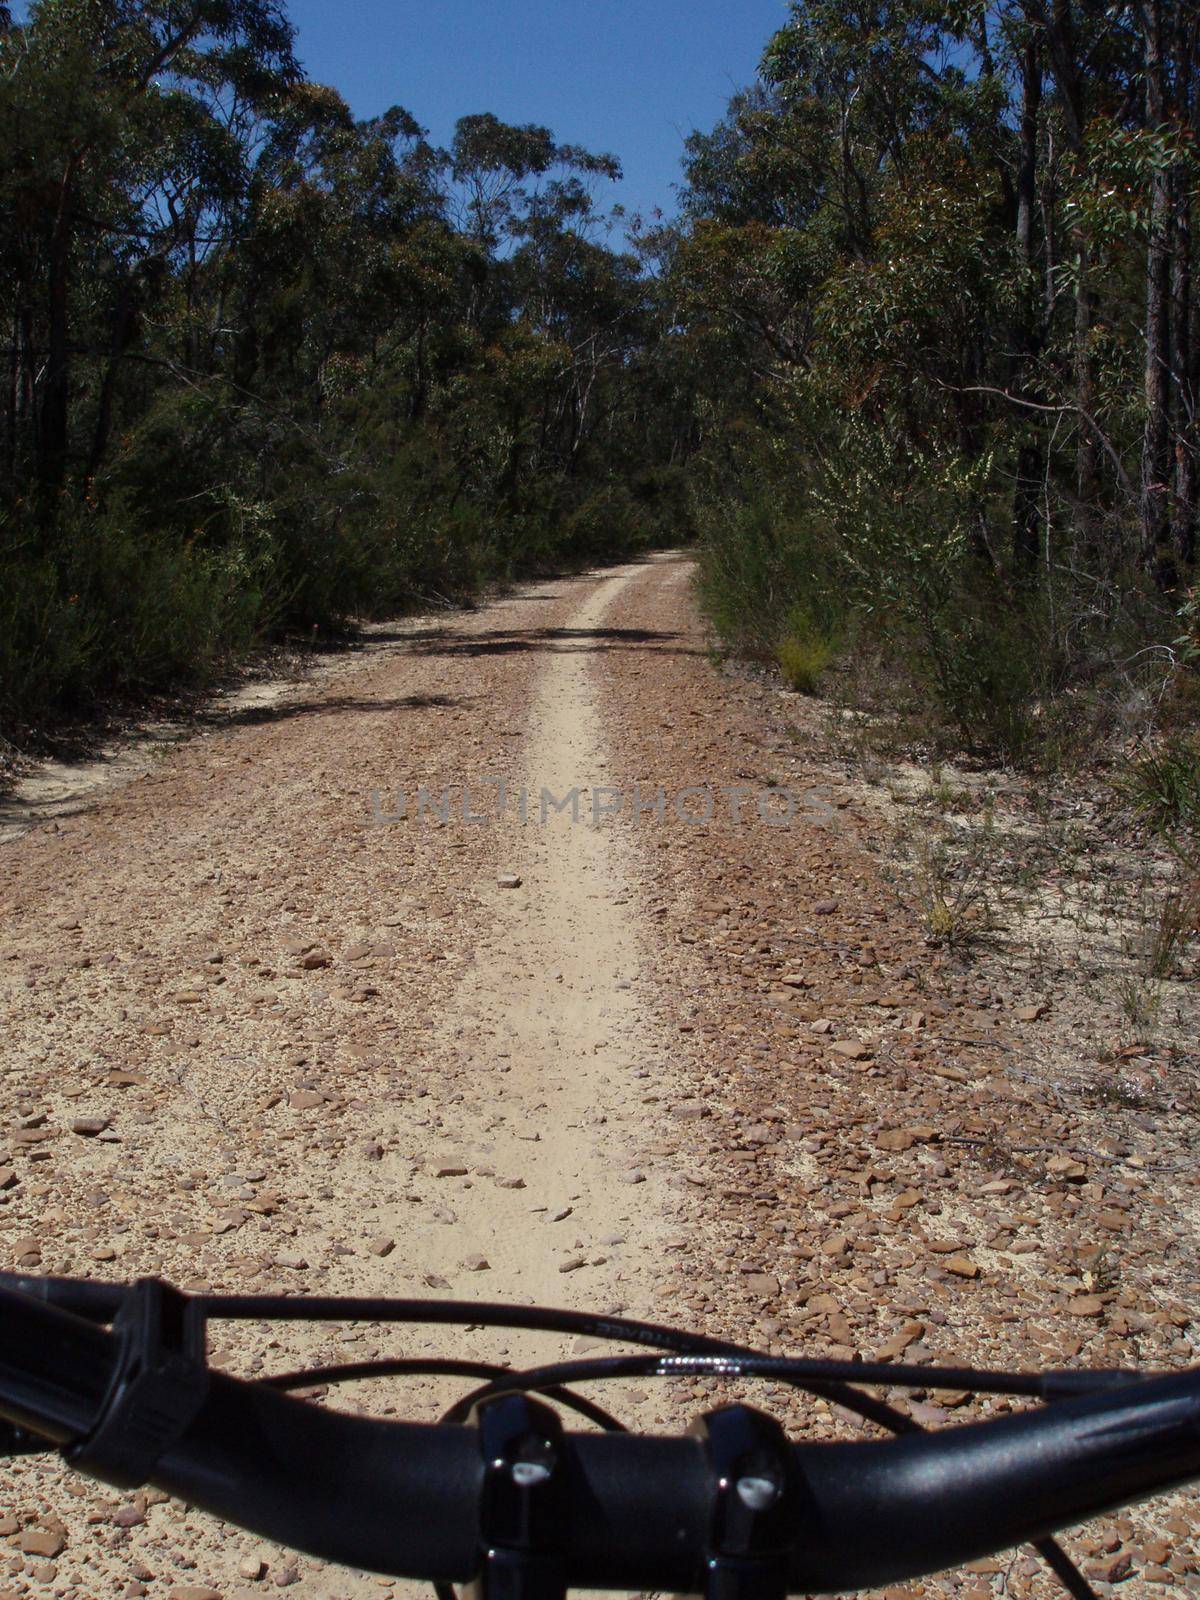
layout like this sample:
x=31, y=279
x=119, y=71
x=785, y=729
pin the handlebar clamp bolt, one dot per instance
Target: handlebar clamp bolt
x=753, y=1500
x=523, y=1506
x=758, y=1494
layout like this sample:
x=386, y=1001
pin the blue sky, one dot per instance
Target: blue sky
x=631, y=77
x=628, y=76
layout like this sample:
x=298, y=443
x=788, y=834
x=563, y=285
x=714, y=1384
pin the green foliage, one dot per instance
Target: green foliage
x=803, y=653
x=275, y=369
x=48, y=642
x=1110, y=193
x=102, y=607
x=878, y=558
x=761, y=569
x=919, y=262
x=605, y=522
x=1163, y=786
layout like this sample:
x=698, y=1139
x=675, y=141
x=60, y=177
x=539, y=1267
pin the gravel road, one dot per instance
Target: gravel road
x=278, y=1018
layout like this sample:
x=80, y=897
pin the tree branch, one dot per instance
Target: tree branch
x=1057, y=410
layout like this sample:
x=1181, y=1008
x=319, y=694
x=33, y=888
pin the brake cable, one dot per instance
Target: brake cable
x=678, y=1354
x=689, y=1354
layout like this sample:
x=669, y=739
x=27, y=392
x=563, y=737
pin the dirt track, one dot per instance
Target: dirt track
x=708, y=1074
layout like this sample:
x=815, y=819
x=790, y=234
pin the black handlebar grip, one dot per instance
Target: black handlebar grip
x=55, y=1368
x=99, y=1302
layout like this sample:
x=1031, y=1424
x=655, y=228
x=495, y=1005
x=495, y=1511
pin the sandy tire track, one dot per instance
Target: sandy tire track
x=549, y=1016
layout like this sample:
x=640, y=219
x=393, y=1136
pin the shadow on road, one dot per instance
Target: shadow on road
x=340, y=705
x=504, y=641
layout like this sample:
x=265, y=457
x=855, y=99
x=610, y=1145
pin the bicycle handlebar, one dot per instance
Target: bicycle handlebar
x=405, y=1498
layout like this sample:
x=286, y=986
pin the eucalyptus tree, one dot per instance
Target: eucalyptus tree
x=121, y=166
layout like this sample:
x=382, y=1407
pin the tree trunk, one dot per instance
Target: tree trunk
x=1060, y=43
x=19, y=384
x=54, y=410
x=1049, y=239
x=1087, y=458
x=1031, y=99
x=122, y=333
x=1185, y=312
x=1026, y=515
x=1155, y=528
x=1027, y=518
x=1185, y=369
x=421, y=385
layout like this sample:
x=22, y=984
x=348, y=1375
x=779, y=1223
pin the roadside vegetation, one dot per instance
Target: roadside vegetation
x=271, y=368
x=917, y=363
x=943, y=258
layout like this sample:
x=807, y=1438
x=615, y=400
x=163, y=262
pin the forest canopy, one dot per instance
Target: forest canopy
x=273, y=367
x=917, y=358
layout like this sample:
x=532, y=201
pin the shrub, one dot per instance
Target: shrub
x=48, y=640
x=95, y=604
x=760, y=570
x=803, y=653
x=892, y=550
x=608, y=523
x=1163, y=786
